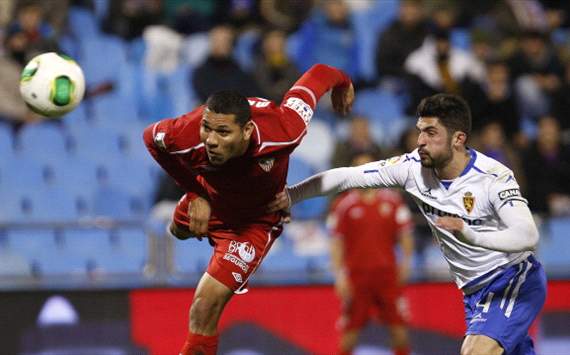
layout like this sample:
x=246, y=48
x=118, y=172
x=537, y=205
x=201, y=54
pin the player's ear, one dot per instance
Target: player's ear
x=248, y=129
x=459, y=138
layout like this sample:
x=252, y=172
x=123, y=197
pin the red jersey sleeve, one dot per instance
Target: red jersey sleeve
x=168, y=138
x=290, y=119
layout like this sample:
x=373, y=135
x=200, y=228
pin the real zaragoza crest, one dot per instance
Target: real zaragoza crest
x=468, y=201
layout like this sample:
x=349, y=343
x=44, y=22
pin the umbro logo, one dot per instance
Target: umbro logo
x=427, y=193
x=237, y=277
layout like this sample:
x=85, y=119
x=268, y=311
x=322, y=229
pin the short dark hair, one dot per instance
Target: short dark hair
x=451, y=110
x=230, y=102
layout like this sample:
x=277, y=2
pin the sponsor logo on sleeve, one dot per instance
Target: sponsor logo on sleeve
x=506, y=194
x=301, y=107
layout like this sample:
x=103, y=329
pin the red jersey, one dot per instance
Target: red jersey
x=240, y=189
x=369, y=228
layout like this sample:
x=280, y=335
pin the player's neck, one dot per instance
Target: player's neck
x=455, y=166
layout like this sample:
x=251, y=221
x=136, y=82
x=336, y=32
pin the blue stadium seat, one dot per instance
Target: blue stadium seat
x=369, y=23
x=98, y=144
x=6, y=141
x=32, y=244
x=88, y=243
x=552, y=242
x=98, y=68
x=115, y=203
x=42, y=142
x=82, y=23
x=53, y=204
x=127, y=252
x=282, y=260
x=191, y=256
x=299, y=170
x=79, y=176
x=244, y=49
x=130, y=176
x=19, y=174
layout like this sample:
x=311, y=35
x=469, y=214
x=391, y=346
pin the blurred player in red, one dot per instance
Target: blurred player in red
x=367, y=225
x=231, y=157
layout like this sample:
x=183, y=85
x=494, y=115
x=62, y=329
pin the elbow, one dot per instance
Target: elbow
x=533, y=238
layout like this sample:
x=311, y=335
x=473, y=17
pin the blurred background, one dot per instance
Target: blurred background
x=85, y=260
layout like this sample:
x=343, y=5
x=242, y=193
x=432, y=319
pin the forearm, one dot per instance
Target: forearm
x=328, y=182
x=319, y=79
x=520, y=235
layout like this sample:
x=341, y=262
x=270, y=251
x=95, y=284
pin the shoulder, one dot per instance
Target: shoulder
x=180, y=134
x=490, y=167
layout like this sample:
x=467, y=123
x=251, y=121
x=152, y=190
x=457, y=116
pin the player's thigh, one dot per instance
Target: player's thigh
x=238, y=255
x=211, y=296
x=480, y=345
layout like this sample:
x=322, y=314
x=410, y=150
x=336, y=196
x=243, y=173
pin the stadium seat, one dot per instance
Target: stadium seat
x=191, y=256
x=283, y=262
x=115, y=203
x=369, y=23
x=195, y=49
x=51, y=204
x=130, y=176
x=97, y=144
x=19, y=174
x=299, y=169
x=82, y=23
x=127, y=252
x=244, y=49
x=43, y=142
x=552, y=242
x=317, y=146
x=6, y=141
x=97, y=68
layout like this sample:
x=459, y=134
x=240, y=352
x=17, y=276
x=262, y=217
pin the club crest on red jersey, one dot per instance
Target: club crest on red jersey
x=266, y=164
x=468, y=201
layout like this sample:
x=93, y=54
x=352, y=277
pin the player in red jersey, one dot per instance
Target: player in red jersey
x=366, y=226
x=231, y=157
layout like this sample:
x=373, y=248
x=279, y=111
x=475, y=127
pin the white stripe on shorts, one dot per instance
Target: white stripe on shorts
x=516, y=290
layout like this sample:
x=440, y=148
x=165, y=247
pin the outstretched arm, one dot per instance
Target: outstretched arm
x=371, y=175
x=519, y=235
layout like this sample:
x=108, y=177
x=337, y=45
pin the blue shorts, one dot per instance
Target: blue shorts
x=506, y=307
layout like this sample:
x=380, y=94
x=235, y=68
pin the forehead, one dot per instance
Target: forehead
x=424, y=122
x=218, y=119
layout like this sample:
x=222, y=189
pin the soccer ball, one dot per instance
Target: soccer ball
x=52, y=84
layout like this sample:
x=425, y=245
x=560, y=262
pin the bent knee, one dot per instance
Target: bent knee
x=203, y=310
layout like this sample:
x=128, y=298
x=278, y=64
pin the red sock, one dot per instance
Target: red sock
x=402, y=350
x=197, y=344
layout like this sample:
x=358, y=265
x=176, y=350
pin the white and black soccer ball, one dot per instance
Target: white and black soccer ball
x=52, y=84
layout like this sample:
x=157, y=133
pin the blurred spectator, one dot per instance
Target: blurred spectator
x=482, y=45
x=401, y=38
x=561, y=101
x=274, y=71
x=220, y=71
x=537, y=72
x=492, y=142
x=6, y=10
x=129, y=18
x=29, y=34
x=493, y=101
x=329, y=37
x=443, y=13
x=189, y=16
x=359, y=141
x=547, y=167
x=284, y=14
x=12, y=108
x=438, y=67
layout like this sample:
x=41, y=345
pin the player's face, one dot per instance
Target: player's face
x=434, y=143
x=223, y=137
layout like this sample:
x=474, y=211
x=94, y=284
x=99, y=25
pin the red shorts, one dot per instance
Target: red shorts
x=375, y=295
x=238, y=252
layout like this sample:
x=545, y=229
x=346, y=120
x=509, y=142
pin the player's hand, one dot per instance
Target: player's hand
x=342, y=99
x=451, y=224
x=281, y=202
x=199, y=215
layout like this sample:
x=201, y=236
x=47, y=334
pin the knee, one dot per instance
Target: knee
x=480, y=348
